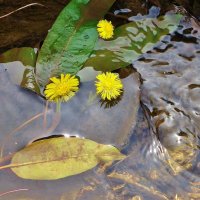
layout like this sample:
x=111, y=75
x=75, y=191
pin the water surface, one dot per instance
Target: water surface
x=156, y=124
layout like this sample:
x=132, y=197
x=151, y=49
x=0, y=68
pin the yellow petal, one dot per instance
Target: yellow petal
x=62, y=89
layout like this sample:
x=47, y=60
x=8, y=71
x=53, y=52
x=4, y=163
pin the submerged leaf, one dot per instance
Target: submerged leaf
x=23, y=73
x=26, y=55
x=60, y=157
x=131, y=41
x=71, y=40
x=29, y=80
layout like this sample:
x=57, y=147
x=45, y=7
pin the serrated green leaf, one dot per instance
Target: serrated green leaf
x=131, y=41
x=57, y=158
x=71, y=40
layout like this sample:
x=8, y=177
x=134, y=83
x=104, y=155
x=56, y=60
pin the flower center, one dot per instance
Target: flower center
x=108, y=28
x=62, y=89
x=107, y=86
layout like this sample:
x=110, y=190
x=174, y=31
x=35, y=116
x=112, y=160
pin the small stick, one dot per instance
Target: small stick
x=45, y=115
x=21, y=8
x=12, y=191
x=18, y=128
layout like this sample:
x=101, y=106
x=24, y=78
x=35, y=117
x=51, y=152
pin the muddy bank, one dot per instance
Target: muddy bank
x=28, y=27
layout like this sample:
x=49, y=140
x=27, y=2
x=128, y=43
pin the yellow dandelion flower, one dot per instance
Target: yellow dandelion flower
x=61, y=89
x=105, y=29
x=108, y=85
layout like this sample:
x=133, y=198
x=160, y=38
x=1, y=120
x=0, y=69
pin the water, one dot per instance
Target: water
x=156, y=124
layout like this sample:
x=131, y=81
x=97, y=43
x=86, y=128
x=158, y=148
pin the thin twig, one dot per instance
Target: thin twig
x=12, y=191
x=56, y=121
x=21, y=8
x=17, y=129
x=45, y=115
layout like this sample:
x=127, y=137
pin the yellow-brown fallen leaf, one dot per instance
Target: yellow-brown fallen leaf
x=57, y=158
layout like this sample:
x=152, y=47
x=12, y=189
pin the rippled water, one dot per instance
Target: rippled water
x=156, y=124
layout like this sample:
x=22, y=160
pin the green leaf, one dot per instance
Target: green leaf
x=21, y=74
x=131, y=41
x=26, y=55
x=71, y=40
x=57, y=158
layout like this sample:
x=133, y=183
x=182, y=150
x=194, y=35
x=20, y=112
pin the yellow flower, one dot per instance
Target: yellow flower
x=105, y=29
x=108, y=85
x=61, y=89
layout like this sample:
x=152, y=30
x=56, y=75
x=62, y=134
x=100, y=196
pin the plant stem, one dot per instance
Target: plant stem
x=58, y=106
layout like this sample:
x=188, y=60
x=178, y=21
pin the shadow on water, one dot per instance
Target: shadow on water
x=156, y=123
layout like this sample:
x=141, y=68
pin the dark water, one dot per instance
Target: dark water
x=156, y=124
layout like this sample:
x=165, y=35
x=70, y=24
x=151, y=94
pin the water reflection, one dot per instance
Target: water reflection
x=27, y=117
